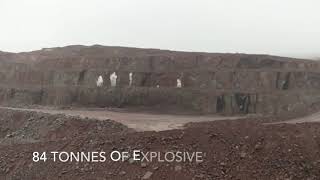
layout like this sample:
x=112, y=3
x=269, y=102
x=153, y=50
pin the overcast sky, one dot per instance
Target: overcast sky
x=281, y=27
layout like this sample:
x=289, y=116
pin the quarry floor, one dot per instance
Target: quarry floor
x=139, y=121
x=147, y=121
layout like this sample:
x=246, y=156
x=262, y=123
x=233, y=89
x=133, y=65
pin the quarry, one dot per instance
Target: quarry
x=253, y=116
x=205, y=83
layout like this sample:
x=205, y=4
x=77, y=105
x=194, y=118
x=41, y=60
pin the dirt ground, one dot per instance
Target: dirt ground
x=243, y=149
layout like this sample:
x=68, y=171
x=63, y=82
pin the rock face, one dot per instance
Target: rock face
x=199, y=82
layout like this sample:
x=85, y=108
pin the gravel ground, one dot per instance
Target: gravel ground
x=237, y=149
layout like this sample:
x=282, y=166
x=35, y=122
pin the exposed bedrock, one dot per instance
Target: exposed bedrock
x=123, y=77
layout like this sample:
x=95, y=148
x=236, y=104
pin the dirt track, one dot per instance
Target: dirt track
x=144, y=121
x=310, y=118
x=138, y=121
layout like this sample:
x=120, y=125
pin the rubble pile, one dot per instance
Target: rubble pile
x=239, y=149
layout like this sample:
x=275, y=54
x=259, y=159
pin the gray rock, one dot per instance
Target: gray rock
x=143, y=165
x=177, y=168
x=147, y=175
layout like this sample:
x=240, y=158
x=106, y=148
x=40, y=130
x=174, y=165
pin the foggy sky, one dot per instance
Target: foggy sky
x=280, y=27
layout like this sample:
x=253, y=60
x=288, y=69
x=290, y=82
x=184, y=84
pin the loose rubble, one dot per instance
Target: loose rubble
x=245, y=149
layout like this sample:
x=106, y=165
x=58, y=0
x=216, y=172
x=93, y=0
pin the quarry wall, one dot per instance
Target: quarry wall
x=129, y=77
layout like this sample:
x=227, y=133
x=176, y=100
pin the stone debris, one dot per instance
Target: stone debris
x=147, y=175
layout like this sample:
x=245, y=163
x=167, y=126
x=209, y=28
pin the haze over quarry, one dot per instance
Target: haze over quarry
x=287, y=27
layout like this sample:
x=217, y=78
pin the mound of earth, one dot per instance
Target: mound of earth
x=28, y=127
x=240, y=149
